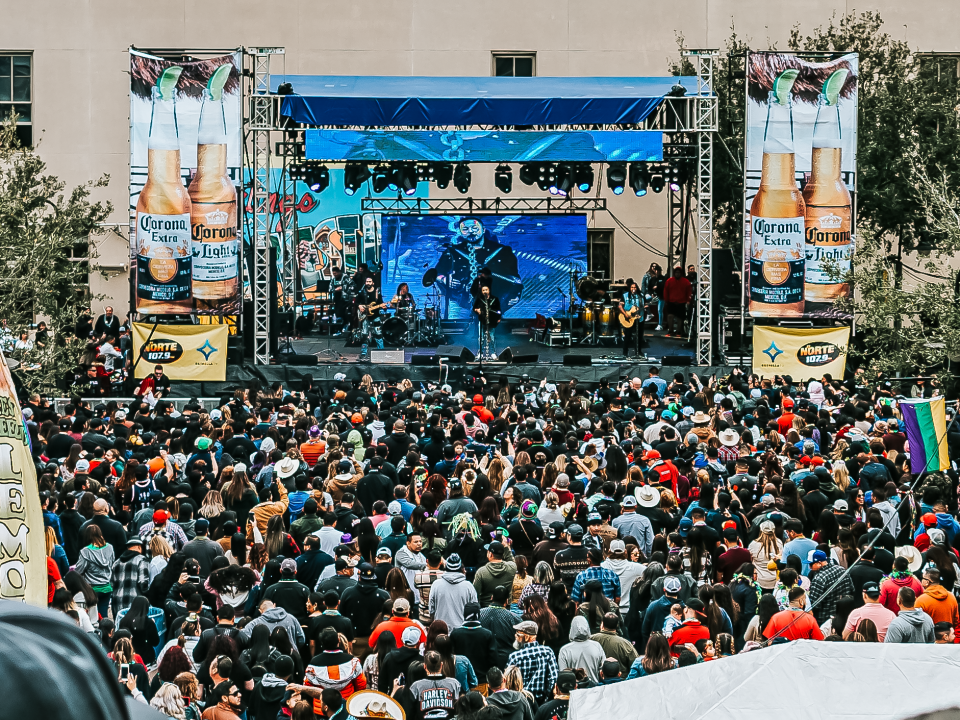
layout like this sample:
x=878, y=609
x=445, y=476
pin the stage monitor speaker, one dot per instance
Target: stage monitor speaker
x=295, y=359
x=455, y=353
x=423, y=359
x=577, y=360
x=518, y=356
x=683, y=360
x=386, y=357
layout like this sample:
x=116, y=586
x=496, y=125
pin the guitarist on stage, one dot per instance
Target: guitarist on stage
x=369, y=304
x=487, y=309
x=631, y=318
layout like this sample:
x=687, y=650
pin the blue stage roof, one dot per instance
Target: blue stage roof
x=379, y=101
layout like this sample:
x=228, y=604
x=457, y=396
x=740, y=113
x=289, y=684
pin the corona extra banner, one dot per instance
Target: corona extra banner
x=185, y=142
x=799, y=176
x=186, y=352
x=23, y=561
x=801, y=353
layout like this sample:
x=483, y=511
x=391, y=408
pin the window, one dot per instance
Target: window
x=600, y=253
x=514, y=64
x=16, y=93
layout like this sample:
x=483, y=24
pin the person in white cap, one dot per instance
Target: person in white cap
x=629, y=522
x=627, y=571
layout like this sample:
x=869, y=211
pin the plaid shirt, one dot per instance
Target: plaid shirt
x=171, y=532
x=608, y=578
x=820, y=582
x=538, y=668
x=727, y=454
x=129, y=579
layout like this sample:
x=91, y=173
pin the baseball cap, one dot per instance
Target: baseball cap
x=365, y=573
x=161, y=516
x=730, y=533
x=356, y=418
x=872, y=590
x=629, y=501
x=788, y=402
x=617, y=546
x=384, y=552
x=671, y=585
x=478, y=399
x=344, y=466
x=496, y=549
x=575, y=532
x=840, y=505
x=594, y=517
x=82, y=466
x=288, y=566
x=767, y=499
x=816, y=556
x=566, y=682
x=134, y=541
x=929, y=519
x=395, y=508
x=555, y=529
x=686, y=525
x=201, y=524
x=528, y=627
x=411, y=634
x=339, y=377
x=401, y=605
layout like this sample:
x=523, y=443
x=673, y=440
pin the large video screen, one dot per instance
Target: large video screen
x=530, y=257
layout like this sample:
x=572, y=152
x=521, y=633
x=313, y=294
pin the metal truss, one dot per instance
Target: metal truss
x=705, y=125
x=261, y=121
x=288, y=247
x=426, y=206
x=675, y=231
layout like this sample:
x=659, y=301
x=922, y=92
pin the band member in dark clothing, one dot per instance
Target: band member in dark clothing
x=369, y=304
x=487, y=309
x=403, y=300
x=337, y=286
x=484, y=278
x=631, y=305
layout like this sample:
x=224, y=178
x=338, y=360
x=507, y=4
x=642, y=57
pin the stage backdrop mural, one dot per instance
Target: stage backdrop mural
x=23, y=562
x=185, y=145
x=530, y=257
x=800, y=173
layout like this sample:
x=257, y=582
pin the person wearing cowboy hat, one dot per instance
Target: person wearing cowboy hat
x=285, y=469
x=648, y=505
x=729, y=440
x=701, y=429
x=907, y=561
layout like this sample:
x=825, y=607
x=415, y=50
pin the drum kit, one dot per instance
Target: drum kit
x=409, y=326
x=597, y=310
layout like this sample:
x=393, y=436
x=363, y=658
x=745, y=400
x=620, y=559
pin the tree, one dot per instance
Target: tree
x=40, y=225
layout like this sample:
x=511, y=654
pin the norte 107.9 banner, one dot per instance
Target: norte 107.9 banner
x=800, y=171
x=185, y=165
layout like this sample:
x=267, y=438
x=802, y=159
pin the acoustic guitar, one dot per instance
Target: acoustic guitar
x=629, y=317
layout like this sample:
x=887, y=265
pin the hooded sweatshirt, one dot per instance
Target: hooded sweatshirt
x=272, y=618
x=512, y=705
x=490, y=576
x=267, y=697
x=581, y=651
x=890, y=587
x=95, y=565
x=362, y=603
x=448, y=596
x=940, y=605
x=910, y=626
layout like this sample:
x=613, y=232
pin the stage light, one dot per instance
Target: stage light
x=285, y=88
x=528, y=173
x=381, y=177
x=546, y=174
x=354, y=175
x=317, y=178
x=677, y=90
x=616, y=177
x=442, y=174
x=639, y=178
x=584, y=177
x=406, y=178
x=673, y=179
x=461, y=177
x=503, y=178
x=562, y=180
x=656, y=183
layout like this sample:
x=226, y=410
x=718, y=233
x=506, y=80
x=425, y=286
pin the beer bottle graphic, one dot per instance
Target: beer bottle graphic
x=828, y=216
x=777, y=215
x=164, y=258
x=213, y=215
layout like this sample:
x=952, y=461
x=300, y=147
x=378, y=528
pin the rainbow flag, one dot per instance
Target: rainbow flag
x=926, y=425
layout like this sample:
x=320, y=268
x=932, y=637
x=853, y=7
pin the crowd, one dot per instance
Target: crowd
x=482, y=551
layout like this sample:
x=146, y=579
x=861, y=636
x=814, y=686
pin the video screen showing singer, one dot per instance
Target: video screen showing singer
x=487, y=309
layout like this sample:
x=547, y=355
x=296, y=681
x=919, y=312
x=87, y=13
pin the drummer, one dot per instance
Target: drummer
x=403, y=300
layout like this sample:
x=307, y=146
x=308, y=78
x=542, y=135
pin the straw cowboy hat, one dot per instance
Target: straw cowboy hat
x=286, y=467
x=729, y=437
x=591, y=463
x=373, y=704
x=913, y=556
x=647, y=496
x=700, y=418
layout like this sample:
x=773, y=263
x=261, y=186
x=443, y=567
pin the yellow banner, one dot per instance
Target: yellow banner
x=23, y=556
x=803, y=354
x=186, y=352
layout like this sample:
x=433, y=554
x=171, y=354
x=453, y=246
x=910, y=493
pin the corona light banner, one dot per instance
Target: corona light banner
x=185, y=167
x=801, y=353
x=187, y=352
x=799, y=179
x=23, y=562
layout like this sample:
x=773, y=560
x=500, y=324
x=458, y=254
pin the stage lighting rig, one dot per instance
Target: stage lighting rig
x=317, y=178
x=461, y=177
x=656, y=183
x=405, y=175
x=442, y=174
x=503, y=178
x=546, y=175
x=354, y=176
x=639, y=178
x=381, y=177
x=617, y=177
x=562, y=180
x=584, y=177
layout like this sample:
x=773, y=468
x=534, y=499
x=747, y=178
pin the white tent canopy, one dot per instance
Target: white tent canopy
x=805, y=679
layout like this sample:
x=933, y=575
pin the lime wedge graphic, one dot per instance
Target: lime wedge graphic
x=168, y=81
x=218, y=80
x=833, y=86
x=783, y=84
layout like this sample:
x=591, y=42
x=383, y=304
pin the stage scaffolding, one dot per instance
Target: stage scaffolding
x=690, y=115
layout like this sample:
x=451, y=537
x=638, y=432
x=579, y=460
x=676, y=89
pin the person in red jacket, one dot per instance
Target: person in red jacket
x=691, y=629
x=677, y=292
x=794, y=623
x=900, y=577
x=666, y=471
x=785, y=421
x=397, y=624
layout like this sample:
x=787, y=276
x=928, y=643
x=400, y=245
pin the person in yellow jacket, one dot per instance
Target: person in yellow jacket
x=261, y=513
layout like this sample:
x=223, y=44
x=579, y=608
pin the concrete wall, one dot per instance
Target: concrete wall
x=81, y=80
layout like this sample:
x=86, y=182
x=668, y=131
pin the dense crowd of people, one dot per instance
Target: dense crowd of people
x=482, y=551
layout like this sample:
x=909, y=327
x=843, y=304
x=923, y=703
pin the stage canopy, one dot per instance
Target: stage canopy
x=801, y=680
x=385, y=101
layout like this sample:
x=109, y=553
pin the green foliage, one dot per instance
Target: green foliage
x=40, y=224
